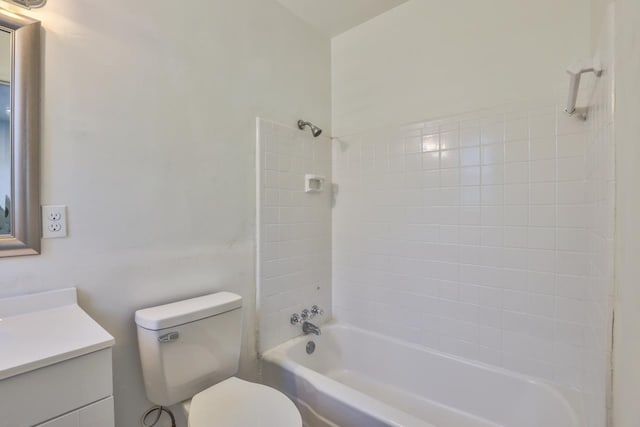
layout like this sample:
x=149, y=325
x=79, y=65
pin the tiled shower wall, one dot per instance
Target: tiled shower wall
x=469, y=235
x=600, y=161
x=294, y=230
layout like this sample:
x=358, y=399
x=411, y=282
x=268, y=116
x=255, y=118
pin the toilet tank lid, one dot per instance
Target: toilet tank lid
x=181, y=312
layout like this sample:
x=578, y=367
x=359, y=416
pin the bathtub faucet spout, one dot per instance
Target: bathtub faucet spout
x=310, y=328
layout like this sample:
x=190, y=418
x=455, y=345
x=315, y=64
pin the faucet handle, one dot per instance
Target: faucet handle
x=316, y=311
x=295, y=319
x=305, y=315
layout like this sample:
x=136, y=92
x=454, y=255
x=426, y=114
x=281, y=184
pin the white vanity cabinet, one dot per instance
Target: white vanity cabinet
x=99, y=414
x=55, y=364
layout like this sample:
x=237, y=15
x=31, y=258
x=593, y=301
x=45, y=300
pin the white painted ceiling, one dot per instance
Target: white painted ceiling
x=334, y=17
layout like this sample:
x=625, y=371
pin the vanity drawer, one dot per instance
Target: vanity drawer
x=99, y=414
x=46, y=393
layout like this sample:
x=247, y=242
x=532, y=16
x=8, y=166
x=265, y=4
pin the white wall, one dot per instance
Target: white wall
x=294, y=243
x=149, y=138
x=427, y=59
x=598, y=12
x=626, y=377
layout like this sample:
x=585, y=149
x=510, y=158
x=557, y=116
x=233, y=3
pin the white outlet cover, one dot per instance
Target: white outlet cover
x=54, y=221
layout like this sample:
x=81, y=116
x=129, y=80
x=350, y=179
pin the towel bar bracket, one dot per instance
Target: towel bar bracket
x=575, y=72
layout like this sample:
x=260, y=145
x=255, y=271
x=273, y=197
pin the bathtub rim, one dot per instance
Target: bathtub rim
x=278, y=355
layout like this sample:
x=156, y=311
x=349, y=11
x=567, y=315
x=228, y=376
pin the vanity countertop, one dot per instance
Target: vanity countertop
x=42, y=329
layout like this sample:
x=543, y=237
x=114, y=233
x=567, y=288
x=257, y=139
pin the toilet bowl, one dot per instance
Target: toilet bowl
x=238, y=403
x=190, y=353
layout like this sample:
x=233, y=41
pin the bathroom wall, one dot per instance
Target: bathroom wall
x=149, y=138
x=469, y=235
x=626, y=349
x=294, y=230
x=600, y=161
x=598, y=14
x=428, y=59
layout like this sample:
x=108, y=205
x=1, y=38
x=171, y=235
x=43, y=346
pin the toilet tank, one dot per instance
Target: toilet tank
x=187, y=346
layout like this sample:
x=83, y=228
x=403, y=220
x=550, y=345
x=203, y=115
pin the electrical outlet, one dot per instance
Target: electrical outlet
x=54, y=215
x=54, y=222
x=54, y=227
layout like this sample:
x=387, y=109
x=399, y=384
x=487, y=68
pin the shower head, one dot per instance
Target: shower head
x=315, y=130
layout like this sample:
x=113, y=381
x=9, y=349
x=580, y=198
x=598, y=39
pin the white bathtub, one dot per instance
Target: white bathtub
x=357, y=378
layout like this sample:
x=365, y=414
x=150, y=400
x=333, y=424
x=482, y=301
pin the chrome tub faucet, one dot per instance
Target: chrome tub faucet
x=304, y=317
x=310, y=328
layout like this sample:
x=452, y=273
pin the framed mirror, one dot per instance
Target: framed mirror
x=19, y=135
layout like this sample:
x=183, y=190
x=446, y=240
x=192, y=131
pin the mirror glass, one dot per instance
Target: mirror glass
x=5, y=133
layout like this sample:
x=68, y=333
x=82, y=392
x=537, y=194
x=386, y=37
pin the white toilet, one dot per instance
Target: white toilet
x=190, y=352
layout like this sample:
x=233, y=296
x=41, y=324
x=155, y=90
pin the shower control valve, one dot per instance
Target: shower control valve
x=295, y=319
x=316, y=311
x=305, y=315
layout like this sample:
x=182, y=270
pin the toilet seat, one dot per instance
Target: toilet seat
x=238, y=403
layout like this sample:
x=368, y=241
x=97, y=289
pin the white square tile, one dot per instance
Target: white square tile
x=492, y=175
x=449, y=139
x=470, y=196
x=430, y=143
x=516, y=215
x=493, y=154
x=450, y=177
x=540, y=282
x=572, y=145
x=431, y=179
x=470, y=215
x=413, y=162
x=572, y=216
x=469, y=137
x=542, y=238
x=492, y=194
x=413, y=145
x=572, y=192
x=543, y=193
x=572, y=239
x=470, y=175
x=517, y=151
x=542, y=216
x=515, y=237
x=450, y=196
x=571, y=169
x=516, y=194
x=516, y=129
x=492, y=215
x=542, y=261
x=492, y=133
x=470, y=234
x=450, y=159
x=570, y=310
x=470, y=156
x=544, y=148
x=543, y=170
x=431, y=160
x=516, y=173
